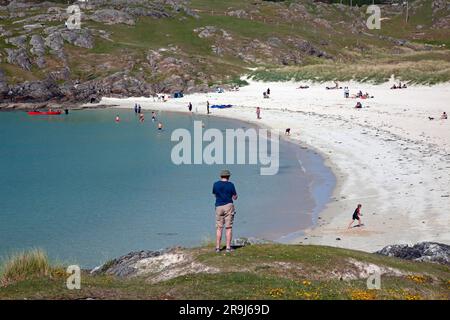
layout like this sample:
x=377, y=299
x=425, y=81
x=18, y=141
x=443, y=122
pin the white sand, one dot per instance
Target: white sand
x=388, y=156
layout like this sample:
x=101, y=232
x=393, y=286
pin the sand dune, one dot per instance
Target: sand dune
x=388, y=156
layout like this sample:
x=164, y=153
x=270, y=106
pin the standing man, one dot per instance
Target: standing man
x=190, y=107
x=225, y=193
x=207, y=107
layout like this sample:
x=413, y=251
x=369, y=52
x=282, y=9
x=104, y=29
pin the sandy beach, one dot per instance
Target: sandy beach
x=388, y=156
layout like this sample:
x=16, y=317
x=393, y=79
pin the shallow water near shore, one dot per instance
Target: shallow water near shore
x=87, y=189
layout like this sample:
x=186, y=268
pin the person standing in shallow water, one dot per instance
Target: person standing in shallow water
x=356, y=216
x=225, y=193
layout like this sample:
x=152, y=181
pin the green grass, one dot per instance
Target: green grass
x=25, y=265
x=361, y=55
x=255, y=272
x=414, y=70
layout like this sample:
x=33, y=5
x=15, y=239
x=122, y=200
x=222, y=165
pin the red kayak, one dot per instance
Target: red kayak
x=44, y=113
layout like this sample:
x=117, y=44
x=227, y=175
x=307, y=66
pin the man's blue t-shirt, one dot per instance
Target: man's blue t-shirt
x=224, y=192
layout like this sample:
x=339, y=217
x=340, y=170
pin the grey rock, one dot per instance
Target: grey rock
x=3, y=85
x=37, y=45
x=308, y=48
x=31, y=27
x=423, y=251
x=238, y=13
x=147, y=12
x=55, y=41
x=19, y=57
x=35, y=91
x=112, y=16
x=123, y=266
x=40, y=62
x=274, y=42
x=81, y=37
x=242, y=242
x=19, y=41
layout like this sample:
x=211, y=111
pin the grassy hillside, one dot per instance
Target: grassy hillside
x=253, y=272
x=300, y=39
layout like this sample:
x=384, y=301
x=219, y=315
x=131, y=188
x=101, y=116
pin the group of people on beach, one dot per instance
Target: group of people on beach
x=399, y=86
x=266, y=94
x=443, y=116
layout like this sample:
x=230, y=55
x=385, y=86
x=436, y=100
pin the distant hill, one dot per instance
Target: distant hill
x=140, y=47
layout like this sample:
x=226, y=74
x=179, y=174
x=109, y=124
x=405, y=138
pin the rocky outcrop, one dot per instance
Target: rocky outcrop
x=19, y=41
x=423, y=251
x=243, y=242
x=212, y=31
x=4, y=89
x=80, y=38
x=155, y=266
x=307, y=48
x=37, y=45
x=55, y=42
x=34, y=91
x=19, y=57
x=112, y=16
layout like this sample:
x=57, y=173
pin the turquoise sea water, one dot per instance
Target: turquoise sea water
x=87, y=189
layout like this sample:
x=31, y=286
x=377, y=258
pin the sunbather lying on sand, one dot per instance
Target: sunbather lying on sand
x=336, y=86
x=303, y=87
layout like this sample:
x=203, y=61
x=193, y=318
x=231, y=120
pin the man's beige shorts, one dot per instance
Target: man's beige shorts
x=225, y=216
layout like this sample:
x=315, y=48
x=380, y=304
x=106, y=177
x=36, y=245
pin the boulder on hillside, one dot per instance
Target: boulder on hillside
x=423, y=251
x=112, y=16
x=79, y=37
x=19, y=57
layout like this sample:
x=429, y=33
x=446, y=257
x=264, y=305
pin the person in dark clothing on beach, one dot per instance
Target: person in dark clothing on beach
x=356, y=216
x=190, y=107
x=207, y=107
x=225, y=193
x=139, y=108
x=135, y=108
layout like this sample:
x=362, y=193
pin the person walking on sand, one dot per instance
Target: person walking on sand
x=356, y=216
x=258, y=113
x=225, y=193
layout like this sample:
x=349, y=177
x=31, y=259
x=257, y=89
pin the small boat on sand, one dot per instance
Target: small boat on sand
x=44, y=113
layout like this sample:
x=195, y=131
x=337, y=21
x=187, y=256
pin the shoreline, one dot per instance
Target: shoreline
x=319, y=206
x=376, y=154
